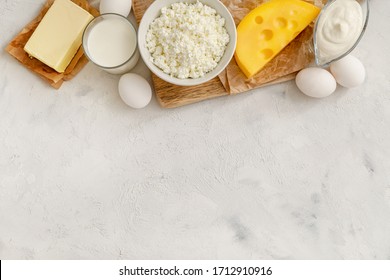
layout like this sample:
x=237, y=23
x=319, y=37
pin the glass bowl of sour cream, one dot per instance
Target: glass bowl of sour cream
x=339, y=29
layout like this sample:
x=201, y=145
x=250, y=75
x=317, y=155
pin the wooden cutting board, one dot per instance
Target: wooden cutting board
x=171, y=96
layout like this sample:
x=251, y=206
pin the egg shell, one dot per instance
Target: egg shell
x=316, y=82
x=122, y=7
x=134, y=90
x=348, y=71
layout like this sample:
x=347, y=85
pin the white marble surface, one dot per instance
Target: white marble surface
x=267, y=174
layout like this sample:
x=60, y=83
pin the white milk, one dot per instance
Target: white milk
x=111, y=41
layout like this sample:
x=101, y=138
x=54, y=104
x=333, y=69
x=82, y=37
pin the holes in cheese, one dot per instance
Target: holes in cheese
x=259, y=20
x=293, y=25
x=266, y=35
x=267, y=53
x=276, y=24
x=280, y=22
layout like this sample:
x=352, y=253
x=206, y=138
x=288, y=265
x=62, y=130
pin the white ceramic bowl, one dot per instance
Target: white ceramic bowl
x=154, y=11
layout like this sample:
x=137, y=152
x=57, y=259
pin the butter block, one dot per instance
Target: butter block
x=58, y=36
x=267, y=29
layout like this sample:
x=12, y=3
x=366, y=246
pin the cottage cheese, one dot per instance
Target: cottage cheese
x=187, y=40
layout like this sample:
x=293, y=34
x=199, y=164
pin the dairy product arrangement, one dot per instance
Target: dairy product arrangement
x=188, y=40
x=130, y=164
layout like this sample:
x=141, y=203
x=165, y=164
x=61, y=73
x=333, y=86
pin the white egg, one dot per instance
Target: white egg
x=348, y=71
x=316, y=82
x=134, y=90
x=122, y=7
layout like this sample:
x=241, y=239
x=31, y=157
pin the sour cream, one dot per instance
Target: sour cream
x=338, y=28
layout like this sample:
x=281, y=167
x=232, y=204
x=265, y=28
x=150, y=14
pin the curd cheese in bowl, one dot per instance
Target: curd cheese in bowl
x=187, y=40
x=187, y=43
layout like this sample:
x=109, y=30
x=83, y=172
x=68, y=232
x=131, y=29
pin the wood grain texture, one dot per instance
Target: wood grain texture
x=171, y=96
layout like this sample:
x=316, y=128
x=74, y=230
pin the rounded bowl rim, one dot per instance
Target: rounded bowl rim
x=225, y=60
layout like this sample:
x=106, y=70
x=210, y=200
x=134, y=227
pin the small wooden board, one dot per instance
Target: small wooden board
x=171, y=96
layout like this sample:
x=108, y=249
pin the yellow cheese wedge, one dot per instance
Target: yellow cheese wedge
x=267, y=29
x=57, y=38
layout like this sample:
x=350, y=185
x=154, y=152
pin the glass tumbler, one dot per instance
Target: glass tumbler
x=110, y=42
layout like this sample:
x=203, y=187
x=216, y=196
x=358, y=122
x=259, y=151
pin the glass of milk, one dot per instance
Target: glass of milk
x=110, y=42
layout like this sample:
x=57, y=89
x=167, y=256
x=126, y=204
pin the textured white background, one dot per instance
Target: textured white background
x=266, y=174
